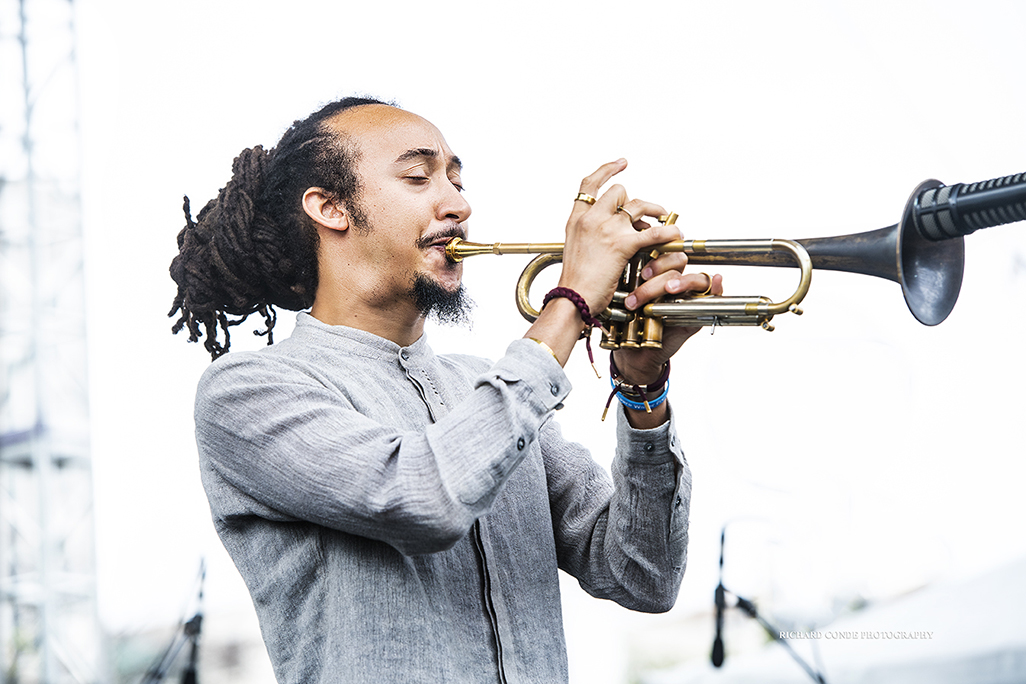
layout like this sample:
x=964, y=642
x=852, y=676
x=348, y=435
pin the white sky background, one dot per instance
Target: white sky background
x=857, y=451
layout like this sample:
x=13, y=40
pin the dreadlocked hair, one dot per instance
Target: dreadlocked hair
x=253, y=248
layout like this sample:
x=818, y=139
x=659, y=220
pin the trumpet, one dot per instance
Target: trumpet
x=924, y=253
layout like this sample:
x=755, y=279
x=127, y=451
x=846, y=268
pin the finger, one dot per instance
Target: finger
x=670, y=261
x=592, y=184
x=702, y=283
x=717, y=284
x=656, y=235
x=614, y=196
x=651, y=289
x=635, y=209
x=673, y=283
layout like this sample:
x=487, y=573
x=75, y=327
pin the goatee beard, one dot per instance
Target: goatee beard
x=435, y=302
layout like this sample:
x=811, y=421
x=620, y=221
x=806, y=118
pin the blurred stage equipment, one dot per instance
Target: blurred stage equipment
x=188, y=633
x=718, y=654
x=924, y=253
x=49, y=628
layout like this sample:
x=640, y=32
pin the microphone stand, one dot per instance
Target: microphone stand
x=188, y=633
x=718, y=654
x=749, y=609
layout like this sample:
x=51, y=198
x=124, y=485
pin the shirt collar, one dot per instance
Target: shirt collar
x=359, y=342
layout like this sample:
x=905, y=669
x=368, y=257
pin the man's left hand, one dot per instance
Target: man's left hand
x=662, y=276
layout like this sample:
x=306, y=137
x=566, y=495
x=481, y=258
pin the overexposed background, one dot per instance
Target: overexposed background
x=854, y=454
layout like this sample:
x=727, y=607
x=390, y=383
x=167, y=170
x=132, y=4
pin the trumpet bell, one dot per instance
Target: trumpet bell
x=930, y=273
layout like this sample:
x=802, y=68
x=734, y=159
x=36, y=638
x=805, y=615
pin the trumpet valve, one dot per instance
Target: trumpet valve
x=652, y=338
x=795, y=310
x=611, y=336
x=631, y=334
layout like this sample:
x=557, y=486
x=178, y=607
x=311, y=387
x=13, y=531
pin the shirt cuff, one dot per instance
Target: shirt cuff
x=529, y=363
x=652, y=445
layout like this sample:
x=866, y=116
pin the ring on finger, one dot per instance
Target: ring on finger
x=707, y=290
x=584, y=197
x=621, y=210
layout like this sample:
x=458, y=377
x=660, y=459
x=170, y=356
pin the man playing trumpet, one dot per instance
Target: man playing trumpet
x=399, y=516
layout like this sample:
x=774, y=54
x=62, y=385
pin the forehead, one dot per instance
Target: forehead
x=387, y=135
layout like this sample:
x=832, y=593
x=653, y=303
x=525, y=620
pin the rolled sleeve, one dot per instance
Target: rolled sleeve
x=629, y=542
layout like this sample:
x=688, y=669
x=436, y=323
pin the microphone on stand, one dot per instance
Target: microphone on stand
x=718, y=654
x=188, y=633
x=721, y=604
x=192, y=632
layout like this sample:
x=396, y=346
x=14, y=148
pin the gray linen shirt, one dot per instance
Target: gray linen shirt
x=399, y=516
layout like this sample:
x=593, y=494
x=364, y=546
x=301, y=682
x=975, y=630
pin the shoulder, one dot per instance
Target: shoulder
x=475, y=364
x=244, y=366
x=246, y=381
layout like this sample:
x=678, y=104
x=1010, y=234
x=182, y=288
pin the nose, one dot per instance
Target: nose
x=453, y=205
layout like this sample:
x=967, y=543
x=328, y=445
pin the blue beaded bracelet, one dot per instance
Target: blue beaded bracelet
x=639, y=406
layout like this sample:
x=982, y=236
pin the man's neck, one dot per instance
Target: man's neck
x=401, y=324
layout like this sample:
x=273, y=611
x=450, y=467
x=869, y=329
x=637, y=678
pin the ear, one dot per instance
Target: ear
x=325, y=209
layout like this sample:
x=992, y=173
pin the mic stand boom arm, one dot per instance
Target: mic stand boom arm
x=749, y=609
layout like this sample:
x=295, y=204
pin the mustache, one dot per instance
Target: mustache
x=450, y=231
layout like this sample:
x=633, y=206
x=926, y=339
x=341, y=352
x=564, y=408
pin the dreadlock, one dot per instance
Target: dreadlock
x=253, y=248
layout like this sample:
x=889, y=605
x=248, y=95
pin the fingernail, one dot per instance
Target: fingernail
x=631, y=301
x=647, y=273
x=673, y=284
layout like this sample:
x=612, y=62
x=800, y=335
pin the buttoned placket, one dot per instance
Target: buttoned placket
x=416, y=374
x=437, y=408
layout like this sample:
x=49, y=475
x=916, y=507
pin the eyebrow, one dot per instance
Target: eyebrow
x=429, y=153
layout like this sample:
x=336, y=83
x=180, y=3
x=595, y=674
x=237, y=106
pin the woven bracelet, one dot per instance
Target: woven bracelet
x=585, y=312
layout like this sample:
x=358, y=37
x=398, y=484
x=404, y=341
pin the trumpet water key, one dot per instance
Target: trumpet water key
x=924, y=253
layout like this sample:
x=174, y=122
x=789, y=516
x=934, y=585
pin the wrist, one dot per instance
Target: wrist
x=634, y=373
x=639, y=396
x=567, y=294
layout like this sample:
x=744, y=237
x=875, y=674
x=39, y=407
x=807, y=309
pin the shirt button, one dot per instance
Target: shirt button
x=649, y=447
x=520, y=444
x=554, y=389
x=405, y=354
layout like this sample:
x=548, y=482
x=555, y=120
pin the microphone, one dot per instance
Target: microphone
x=717, y=647
x=942, y=212
x=721, y=603
x=192, y=632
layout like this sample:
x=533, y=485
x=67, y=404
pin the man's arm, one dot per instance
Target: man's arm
x=625, y=541
x=299, y=450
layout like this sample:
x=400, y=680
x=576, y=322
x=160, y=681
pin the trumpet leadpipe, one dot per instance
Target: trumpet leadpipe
x=458, y=249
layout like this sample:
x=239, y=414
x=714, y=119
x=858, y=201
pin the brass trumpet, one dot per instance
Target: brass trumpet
x=924, y=253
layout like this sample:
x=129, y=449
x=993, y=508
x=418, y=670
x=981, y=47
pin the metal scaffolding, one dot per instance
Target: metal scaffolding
x=49, y=629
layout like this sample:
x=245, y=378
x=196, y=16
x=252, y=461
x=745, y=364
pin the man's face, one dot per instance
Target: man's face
x=410, y=199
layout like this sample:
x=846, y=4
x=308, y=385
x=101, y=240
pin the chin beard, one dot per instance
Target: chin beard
x=435, y=302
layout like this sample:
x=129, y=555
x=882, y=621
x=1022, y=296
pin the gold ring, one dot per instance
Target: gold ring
x=621, y=210
x=707, y=290
x=584, y=197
